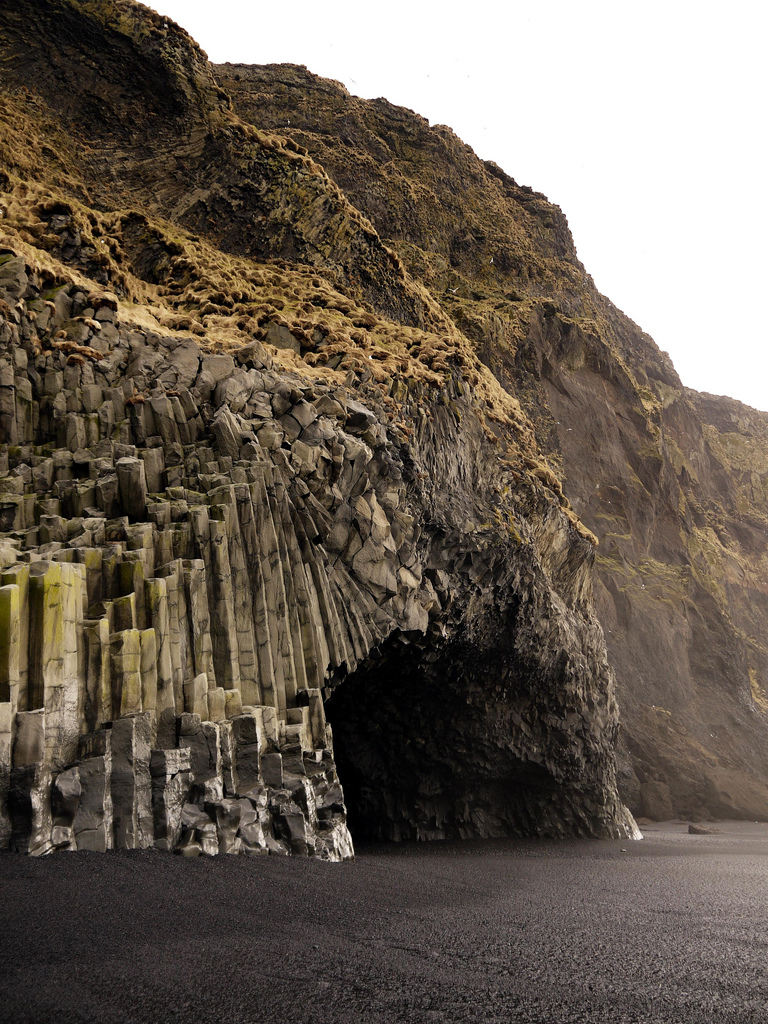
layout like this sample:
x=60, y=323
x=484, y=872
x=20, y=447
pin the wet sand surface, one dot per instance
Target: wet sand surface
x=673, y=929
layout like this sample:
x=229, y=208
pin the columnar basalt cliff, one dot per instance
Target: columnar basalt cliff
x=200, y=547
x=281, y=447
x=253, y=472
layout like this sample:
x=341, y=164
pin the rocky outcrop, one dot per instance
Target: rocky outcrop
x=149, y=653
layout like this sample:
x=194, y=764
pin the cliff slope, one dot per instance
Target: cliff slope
x=670, y=481
x=262, y=504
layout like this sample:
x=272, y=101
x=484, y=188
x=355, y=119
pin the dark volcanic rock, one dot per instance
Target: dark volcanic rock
x=178, y=640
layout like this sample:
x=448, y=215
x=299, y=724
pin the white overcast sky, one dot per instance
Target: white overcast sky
x=645, y=122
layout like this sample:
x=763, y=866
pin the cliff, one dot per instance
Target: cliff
x=284, y=487
x=671, y=482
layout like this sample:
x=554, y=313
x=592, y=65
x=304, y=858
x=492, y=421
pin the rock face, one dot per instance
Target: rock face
x=190, y=571
x=673, y=483
x=281, y=446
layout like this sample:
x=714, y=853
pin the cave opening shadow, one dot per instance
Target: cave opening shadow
x=426, y=749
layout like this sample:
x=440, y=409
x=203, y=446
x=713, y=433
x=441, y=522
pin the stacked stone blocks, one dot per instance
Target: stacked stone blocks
x=169, y=614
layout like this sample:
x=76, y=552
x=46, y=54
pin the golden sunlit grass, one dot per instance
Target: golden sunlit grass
x=168, y=280
x=758, y=693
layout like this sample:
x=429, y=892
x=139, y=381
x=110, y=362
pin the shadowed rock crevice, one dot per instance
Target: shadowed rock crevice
x=411, y=736
x=438, y=740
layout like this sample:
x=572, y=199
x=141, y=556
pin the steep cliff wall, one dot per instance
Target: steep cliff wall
x=254, y=479
x=671, y=482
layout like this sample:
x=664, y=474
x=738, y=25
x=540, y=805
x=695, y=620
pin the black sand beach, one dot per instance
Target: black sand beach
x=673, y=928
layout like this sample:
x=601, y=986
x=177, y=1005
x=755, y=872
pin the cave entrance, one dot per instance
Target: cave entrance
x=427, y=747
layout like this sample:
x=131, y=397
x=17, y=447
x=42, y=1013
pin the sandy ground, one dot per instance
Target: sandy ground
x=673, y=928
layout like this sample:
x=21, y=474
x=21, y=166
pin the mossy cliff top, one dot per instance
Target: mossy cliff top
x=199, y=221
